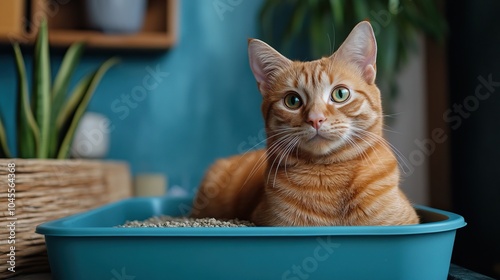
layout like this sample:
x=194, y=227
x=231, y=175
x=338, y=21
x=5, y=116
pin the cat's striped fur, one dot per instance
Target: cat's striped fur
x=326, y=161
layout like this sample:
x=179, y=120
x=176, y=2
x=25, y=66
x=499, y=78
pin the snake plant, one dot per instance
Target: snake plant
x=47, y=120
x=317, y=27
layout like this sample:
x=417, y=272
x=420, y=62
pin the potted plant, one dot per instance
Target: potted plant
x=42, y=184
x=46, y=126
x=315, y=28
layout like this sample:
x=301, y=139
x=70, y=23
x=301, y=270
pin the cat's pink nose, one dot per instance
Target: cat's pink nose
x=316, y=120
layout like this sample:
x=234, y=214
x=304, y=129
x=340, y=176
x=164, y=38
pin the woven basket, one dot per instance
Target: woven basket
x=46, y=190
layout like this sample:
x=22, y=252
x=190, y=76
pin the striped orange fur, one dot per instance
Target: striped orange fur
x=326, y=161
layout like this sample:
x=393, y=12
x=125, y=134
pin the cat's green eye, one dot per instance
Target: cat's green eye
x=293, y=101
x=340, y=94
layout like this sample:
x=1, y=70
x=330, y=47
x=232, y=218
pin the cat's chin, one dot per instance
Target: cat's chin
x=320, y=146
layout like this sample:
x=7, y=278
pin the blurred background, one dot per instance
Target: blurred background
x=438, y=68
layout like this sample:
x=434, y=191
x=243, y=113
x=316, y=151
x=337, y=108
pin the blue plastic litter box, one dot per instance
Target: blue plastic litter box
x=89, y=246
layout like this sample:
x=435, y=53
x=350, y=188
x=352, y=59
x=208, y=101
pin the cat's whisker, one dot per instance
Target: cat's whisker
x=390, y=130
x=264, y=158
x=362, y=135
x=359, y=149
x=389, y=146
x=279, y=147
x=341, y=129
x=378, y=139
x=297, y=150
x=280, y=132
x=283, y=131
x=285, y=155
x=370, y=146
x=282, y=145
x=294, y=146
x=393, y=115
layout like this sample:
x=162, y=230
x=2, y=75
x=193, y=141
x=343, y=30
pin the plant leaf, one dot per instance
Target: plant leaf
x=66, y=70
x=89, y=85
x=266, y=17
x=337, y=10
x=41, y=89
x=390, y=50
x=4, y=148
x=425, y=18
x=361, y=10
x=319, y=34
x=27, y=129
x=60, y=87
x=295, y=22
x=68, y=110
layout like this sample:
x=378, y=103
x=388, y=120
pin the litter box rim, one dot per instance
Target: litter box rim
x=68, y=226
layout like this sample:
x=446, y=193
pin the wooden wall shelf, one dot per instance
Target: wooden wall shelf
x=67, y=25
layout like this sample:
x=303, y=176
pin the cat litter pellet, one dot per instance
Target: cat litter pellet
x=167, y=221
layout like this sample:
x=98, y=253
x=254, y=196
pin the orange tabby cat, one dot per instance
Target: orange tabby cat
x=326, y=162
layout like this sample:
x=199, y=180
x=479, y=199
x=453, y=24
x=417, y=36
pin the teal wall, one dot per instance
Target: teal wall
x=206, y=107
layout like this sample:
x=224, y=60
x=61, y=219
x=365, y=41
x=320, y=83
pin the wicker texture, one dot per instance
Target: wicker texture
x=50, y=189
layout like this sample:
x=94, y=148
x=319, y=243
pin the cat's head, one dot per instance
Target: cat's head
x=330, y=106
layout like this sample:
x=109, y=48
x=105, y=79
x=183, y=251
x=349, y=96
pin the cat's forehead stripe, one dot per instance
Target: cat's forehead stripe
x=317, y=74
x=310, y=77
x=306, y=75
x=324, y=77
x=313, y=78
x=302, y=80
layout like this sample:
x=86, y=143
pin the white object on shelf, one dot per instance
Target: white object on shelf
x=91, y=137
x=116, y=16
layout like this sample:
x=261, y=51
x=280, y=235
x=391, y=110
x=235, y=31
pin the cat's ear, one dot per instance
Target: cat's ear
x=360, y=48
x=265, y=62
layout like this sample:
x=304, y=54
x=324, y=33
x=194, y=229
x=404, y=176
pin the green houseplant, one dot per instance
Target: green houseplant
x=46, y=122
x=317, y=27
x=42, y=183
